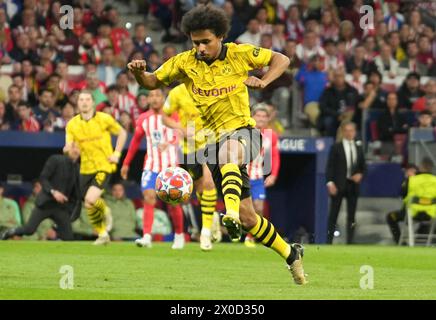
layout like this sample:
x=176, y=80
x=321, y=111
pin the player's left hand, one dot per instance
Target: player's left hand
x=255, y=83
x=114, y=159
x=270, y=181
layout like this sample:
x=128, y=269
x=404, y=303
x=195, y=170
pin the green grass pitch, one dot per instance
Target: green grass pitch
x=30, y=270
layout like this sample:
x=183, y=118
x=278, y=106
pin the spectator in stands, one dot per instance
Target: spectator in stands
x=45, y=230
x=356, y=79
x=107, y=72
x=141, y=101
x=345, y=168
x=358, y=60
x=391, y=122
x=236, y=25
x=132, y=84
x=9, y=212
x=409, y=91
x=425, y=55
x=126, y=100
x=93, y=84
x=59, y=199
x=26, y=122
x=251, y=35
x=313, y=80
x=278, y=36
x=141, y=40
x=153, y=61
x=88, y=51
x=262, y=17
x=123, y=214
x=346, y=34
x=96, y=16
x=111, y=105
x=46, y=106
x=425, y=120
x=290, y=50
x=395, y=43
x=352, y=13
x=126, y=121
x=127, y=48
x=332, y=60
x=12, y=105
x=65, y=84
x=168, y=52
x=118, y=33
x=430, y=94
x=274, y=123
x=415, y=23
x=370, y=44
x=393, y=19
x=67, y=113
x=411, y=63
x=309, y=47
x=5, y=123
x=30, y=84
x=307, y=13
x=294, y=25
x=244, y=10
x=394, y=217
x=371, y=99
x=22, y=49
x=6, y=42
x=67, y=44
x=337, y=103
x=53, y=84
x=386, y=65
x=329, y=26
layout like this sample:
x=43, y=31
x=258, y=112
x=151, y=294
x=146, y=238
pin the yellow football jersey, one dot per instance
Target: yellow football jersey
x=179, y=100
x=94, y=140
x=218, y=89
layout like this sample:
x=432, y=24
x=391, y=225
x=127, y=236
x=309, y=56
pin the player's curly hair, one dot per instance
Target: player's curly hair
x=205, y=17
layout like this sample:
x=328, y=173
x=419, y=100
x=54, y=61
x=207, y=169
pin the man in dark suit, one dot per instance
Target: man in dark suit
x=59, y=198
x=345, y=168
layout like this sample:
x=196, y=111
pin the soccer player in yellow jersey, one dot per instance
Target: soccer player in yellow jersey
x=179, y=101
x=216, y=76
x=91, y=131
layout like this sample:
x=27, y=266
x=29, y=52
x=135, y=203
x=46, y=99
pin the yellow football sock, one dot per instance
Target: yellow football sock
x=231, y=186
x=96, y=216
x=265, y=232
x=208, y=204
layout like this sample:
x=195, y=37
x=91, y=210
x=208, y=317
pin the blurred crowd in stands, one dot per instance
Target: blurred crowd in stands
x=341, y=70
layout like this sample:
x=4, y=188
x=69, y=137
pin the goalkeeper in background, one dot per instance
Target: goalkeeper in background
x=92, y=131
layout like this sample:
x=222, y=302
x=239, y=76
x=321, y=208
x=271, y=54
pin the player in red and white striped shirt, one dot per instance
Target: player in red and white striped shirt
x=267, y=162
x=162, y=151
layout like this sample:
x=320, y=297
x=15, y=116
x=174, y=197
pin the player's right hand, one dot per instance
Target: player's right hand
x=137, y=66
x=124, y=172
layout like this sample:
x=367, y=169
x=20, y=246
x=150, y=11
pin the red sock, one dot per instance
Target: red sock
x=147, y=218
x=176, y=214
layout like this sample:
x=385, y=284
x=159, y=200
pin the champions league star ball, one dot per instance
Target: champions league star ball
x=174, y=185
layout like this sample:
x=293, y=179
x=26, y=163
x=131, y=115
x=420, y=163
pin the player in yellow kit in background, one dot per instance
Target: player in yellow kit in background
x=91, y=131
x=216, y=76
x=179, y=101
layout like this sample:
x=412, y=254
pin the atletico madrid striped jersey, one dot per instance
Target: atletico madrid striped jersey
x=268, y=160
x=150, y=125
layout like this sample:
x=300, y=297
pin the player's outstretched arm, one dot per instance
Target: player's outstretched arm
x=145, y=79
x=278, y=64
x=121, y=141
